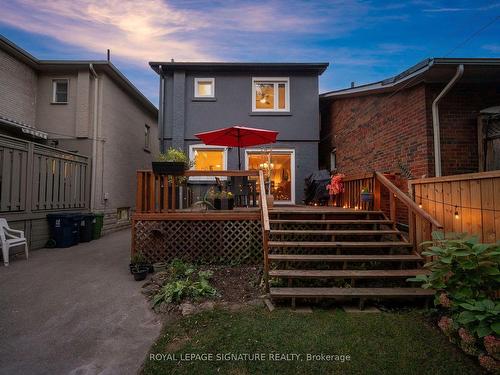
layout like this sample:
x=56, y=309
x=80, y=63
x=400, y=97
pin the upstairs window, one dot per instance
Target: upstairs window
x=147, y=137
x=270, y=95
x=60, y=91
x=204, y=87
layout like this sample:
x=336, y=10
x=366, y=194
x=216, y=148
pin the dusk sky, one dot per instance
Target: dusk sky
x=363, y=41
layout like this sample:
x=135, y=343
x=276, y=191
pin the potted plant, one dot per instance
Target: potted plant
x=217, y=200
x=366, y=196
x=172, y=162
x=140, y=272
x=139, y=260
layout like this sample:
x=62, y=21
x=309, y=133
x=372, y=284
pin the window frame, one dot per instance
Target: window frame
x=147, y=137
x=275, y=81
x=333, y=158
x=197, y=94
x=54, y=90
x=194, y=147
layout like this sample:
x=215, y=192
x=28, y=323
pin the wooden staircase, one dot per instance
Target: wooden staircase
x=312, y=252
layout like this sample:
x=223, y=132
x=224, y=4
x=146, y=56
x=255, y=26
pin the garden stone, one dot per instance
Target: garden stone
x=187, y=308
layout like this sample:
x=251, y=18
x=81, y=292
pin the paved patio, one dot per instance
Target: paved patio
x=74, y=311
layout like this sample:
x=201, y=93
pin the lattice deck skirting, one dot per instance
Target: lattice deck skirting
x=209, y=241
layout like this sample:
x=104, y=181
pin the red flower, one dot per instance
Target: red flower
x=489, y=363
x=446, y=325
x=336, y=185
x=466, y=336
x=444, y=300
x=492, y=346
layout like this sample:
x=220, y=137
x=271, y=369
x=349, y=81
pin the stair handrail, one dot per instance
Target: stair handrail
x=409, y=203
x=265, y=227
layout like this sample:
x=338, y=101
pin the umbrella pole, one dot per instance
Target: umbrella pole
x=239, y=159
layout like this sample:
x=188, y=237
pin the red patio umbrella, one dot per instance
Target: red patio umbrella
x=238, y=136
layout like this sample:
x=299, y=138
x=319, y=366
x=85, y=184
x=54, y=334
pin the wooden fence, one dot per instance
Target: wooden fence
x=40, y=178
x=462, y=203
x=37, y=179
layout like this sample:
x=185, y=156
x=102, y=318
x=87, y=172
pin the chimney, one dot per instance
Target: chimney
x=171, y=60
x=109, y=55
x=352, y=84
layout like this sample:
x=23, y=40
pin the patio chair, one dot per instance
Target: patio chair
x=11, y=238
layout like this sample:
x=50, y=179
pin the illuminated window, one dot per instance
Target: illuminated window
x=204, y=87
x=270, y=95
x=208, y=158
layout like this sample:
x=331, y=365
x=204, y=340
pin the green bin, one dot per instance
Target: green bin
x=97, y=225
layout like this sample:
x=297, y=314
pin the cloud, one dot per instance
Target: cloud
x=461, y=9
x=145, y=30
x=492, y=48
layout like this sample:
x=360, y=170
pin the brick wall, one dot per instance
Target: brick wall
x=18, y=90
x=458, y=112
x=377, y=132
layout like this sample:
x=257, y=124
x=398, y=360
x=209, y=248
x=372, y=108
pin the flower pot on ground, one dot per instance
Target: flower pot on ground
x=140, y=273
x=172, y=162
x=160, y=266
x=139, y=260
x=224, y=200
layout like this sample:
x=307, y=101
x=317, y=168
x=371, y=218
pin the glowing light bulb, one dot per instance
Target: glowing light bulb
x=420, y=205
x=457, y=216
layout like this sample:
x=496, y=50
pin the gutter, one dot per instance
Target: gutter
x=161, y=106
x=435, y=119
x=94, y=138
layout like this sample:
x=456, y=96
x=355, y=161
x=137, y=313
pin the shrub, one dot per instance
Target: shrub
x=465, y=274
x=185, y=283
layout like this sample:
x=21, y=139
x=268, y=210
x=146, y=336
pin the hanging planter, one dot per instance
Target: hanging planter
x=173, y=162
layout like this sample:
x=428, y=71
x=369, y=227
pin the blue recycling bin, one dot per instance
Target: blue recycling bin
x=65, y=228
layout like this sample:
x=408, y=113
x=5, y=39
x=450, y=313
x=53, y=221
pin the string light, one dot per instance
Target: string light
x=456, y=205
x=457, y=216
x=420, y=204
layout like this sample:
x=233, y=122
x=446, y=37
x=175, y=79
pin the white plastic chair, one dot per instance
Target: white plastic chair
x=11, y=238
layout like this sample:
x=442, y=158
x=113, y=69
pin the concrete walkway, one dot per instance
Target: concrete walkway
x=74, y=311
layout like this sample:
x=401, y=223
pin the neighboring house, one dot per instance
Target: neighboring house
x=390, y=125
x=197, y=97
x=71, y=112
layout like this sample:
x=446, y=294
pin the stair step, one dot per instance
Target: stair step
x=349, y=292
x=321, y=211
x=335, y=232
x=332, y=244
x=343, y=258
x=355, y=274
x=330, y=221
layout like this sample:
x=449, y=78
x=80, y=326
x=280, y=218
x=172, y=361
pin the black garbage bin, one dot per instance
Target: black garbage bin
x=64, y=228
x=86, y=227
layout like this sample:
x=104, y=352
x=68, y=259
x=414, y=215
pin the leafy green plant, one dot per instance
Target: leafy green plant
x=175, y=155
x=186, y=283
x=481, y=317
x=466, y=276
x=461, y=266
x=138, y=258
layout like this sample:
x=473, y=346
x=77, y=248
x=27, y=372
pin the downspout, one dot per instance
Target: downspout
x=94, y=139
x=162, y=109
x=435, y=119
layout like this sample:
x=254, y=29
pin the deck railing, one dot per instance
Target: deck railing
x=168, y=194
x=387, y=195
x=266, y=228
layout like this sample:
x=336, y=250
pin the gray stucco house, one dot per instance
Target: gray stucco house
x=197, y=97
x=86, y=123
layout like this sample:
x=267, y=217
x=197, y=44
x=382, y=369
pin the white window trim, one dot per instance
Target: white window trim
x=333, y=158
x=197, y=94
x=275, y=81
x=277, y=151
x=192, y=149
x=54, y=85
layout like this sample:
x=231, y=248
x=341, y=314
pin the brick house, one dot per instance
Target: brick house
x=76, y=114
x=389, y=125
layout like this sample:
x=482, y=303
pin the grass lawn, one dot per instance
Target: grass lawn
x=376, y=343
